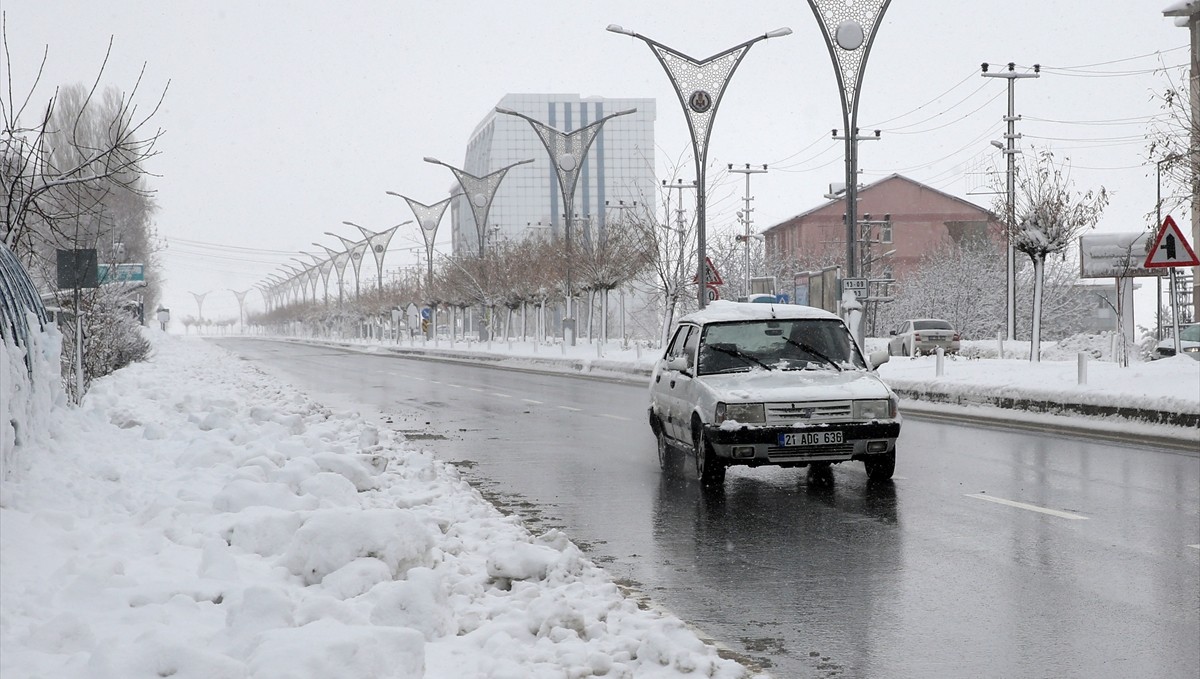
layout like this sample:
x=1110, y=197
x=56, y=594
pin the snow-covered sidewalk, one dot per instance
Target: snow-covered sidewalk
x=198, y=519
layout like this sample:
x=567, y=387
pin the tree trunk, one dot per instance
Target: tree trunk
x=604, y=316
x=1039, y=271
x=668, y=317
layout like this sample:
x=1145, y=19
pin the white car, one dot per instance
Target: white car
x=923, y=336
x=1189, y=343
x=771, y=384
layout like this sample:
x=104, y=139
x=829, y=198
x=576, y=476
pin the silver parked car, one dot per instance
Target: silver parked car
x=923, y=336
x=770, y=384
x=1189, y=343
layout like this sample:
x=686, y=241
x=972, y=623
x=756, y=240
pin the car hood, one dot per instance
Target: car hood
x=796, y=385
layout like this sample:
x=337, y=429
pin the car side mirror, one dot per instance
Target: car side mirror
x=677, y=363
x=878, y=358
x=893, y=333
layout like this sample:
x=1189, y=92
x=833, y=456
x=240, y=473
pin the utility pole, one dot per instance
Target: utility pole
x=1010, y=152
x=744, y=215
x=851, y=193
x=678, y=186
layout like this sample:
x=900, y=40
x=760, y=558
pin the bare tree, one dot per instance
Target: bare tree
x=1050, y=215
x=612, y=261
x=83, y=146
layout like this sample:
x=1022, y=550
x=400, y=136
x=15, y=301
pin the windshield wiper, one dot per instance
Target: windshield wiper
x=737, y=354
x=813, y=352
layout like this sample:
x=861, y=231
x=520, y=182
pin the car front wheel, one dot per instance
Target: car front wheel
x=881, y=467
x=709, y=469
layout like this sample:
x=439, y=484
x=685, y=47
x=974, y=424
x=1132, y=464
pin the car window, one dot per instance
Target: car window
x=778, y=345
x=689, y=347
x=931, y=325
x=675, y=348
x=1190, y=333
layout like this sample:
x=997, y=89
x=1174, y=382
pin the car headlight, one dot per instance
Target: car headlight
x=878, y=409
x=1191, y=350
x=746, y=413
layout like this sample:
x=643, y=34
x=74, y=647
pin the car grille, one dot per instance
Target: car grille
x=818, y=411
x=779, y=454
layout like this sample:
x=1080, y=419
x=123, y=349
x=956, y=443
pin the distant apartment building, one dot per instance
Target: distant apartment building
x=619, y=170
x=922, y=220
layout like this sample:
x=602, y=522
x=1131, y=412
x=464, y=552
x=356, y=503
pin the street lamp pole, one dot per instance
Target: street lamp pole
x=568, y=152
x=428, y=218
x=700, y=84
x=200, y=302
x=1010, y=151
x=354, y=250
x=849, y=30
x=479, y=192
x=378, y=242
x=339, y=260
x=241, y=298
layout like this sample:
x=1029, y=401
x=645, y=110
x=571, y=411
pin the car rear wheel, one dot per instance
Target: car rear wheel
x=709, y=469
x=881, y=467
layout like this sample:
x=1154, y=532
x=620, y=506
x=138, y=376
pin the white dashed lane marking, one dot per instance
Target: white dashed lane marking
x=614, y=417
x=529, y=400
x=1027, y=507
x=574, y=410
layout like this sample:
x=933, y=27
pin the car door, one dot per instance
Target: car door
x=662, y=388
x=683, y=387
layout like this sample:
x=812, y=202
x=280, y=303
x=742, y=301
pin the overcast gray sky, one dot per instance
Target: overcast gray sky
x=285, y=118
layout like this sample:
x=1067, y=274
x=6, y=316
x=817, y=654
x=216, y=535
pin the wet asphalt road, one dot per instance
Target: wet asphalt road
x=993, y=554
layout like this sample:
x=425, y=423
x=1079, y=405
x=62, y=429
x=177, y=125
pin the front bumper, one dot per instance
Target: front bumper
x=755, y=445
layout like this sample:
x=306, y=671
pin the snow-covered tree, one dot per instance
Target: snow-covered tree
x=1049, y=215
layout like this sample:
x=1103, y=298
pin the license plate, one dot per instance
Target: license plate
x=810, y=438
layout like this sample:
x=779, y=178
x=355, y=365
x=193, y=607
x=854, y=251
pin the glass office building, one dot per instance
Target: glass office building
x=619, y=173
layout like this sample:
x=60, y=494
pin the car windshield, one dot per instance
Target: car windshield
x=798, y=344
x=931, y=325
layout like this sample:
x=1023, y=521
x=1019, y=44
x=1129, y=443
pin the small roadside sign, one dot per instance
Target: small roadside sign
x=1170, y=248
x=713, y=293
x=856, y=285
x=711, y=277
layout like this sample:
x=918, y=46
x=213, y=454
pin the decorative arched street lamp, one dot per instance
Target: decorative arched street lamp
x=849, y=30
x=355, y=251
x=241, y=298
x=428, y=218
x=377, y=242
x=700, y=84
x=568, y=151
x=199, y=296
x=339, y=260
x=479, y=192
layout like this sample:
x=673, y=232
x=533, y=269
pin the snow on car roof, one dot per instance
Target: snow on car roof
x=724, y=310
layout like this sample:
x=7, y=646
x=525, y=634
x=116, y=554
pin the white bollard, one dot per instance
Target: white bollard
x=1082, y=367
x=941, y=361
x=599, y=350
x=1000, y=343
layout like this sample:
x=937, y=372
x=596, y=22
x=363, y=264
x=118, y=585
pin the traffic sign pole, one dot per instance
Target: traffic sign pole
x=1171, y=250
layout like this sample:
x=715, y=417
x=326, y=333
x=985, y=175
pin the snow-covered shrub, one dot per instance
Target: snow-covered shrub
x=30, y=390
x=112, y=337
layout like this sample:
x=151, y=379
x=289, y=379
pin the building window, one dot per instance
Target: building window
x=885, y=232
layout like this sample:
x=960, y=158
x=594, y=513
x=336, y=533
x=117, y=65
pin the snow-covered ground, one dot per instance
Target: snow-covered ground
x=197, y=518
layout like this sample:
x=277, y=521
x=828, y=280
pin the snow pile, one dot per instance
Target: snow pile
x=30, y=390
x=196, y=518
